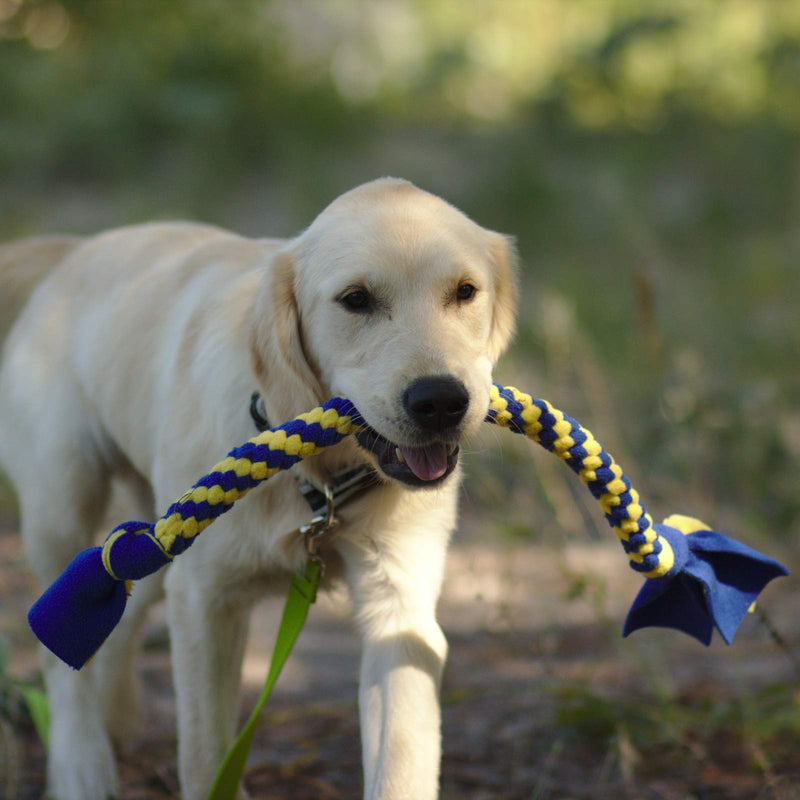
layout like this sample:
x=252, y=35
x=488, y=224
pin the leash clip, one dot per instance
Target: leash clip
x=318, y=529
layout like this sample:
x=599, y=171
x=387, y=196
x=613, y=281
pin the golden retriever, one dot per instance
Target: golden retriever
x=134, y=361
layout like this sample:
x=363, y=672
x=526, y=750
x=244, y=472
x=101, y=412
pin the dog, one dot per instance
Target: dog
x=133, y=362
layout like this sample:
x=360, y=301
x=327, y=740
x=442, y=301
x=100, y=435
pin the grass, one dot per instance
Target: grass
x=22, y=706
x=702, y=734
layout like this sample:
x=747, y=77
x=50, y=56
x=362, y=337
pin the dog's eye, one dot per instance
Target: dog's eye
x=356, y=299
x=466, y=291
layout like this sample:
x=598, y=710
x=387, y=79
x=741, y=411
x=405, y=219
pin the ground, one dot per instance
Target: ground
x=542, y=698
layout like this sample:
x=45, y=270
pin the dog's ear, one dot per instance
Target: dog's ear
x=287, y=380
x=504, y=260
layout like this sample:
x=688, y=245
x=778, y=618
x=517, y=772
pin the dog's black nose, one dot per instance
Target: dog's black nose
x=436, y=403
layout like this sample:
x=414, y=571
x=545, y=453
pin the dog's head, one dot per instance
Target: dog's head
x=398, y=301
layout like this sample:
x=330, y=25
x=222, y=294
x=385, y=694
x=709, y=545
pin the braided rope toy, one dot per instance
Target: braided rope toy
x=697, y=579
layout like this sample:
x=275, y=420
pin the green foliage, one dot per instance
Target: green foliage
x=36, y=704
x=18, y=699
x=757, y=732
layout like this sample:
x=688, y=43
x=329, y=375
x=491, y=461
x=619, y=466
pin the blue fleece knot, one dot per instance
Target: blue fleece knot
x=132, y=552
x=78, y=612
x=718, y=581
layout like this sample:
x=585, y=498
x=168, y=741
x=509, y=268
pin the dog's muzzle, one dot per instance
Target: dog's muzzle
x=435, y=406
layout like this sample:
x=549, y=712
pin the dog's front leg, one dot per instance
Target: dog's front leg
x=208, y=638
x=404, y=651
x=399, y=709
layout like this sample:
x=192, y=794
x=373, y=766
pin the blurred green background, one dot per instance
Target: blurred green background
x=645, y=155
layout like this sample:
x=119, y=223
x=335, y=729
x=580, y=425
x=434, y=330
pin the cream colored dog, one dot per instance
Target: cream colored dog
x=134, y=361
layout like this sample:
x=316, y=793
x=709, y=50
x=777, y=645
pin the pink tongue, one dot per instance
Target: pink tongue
x=427, y=463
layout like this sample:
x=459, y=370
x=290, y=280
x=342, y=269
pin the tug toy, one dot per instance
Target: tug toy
x=696, y=579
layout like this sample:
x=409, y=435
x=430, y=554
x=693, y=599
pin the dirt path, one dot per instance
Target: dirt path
x=542, y=698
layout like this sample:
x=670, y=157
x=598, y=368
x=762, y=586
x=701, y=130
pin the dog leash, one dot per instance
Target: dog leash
x=302, y=593
x=696, y=579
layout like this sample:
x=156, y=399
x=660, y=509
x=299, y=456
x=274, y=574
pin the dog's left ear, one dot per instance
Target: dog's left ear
x=287, y=380
x=505, y=264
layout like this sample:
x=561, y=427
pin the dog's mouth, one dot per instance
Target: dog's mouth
x=426, y=465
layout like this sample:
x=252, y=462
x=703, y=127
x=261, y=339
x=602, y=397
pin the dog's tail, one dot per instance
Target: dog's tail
x=23, y=265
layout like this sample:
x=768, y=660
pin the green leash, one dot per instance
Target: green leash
x=302, y=593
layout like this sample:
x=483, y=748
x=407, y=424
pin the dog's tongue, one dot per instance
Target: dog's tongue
x=427, y=463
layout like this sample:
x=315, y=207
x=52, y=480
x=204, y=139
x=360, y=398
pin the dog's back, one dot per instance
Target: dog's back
x=23, y=265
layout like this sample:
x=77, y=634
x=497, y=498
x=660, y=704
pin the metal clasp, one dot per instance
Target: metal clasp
x=320, y=526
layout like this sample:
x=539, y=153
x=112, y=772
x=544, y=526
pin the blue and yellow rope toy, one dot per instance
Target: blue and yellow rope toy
x=697, y=579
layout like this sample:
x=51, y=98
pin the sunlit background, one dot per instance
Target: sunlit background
x=646, y=155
